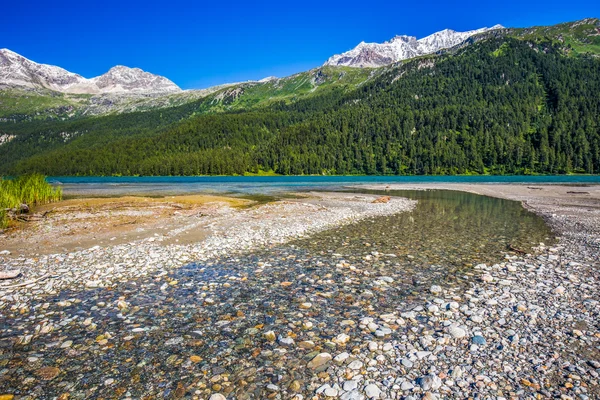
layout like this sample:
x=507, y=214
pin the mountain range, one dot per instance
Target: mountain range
x=400, y=48
x=18, y=71
x=494, y=100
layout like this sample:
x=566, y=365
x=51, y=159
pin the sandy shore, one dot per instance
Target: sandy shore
x=536, y=194
x=79, y=224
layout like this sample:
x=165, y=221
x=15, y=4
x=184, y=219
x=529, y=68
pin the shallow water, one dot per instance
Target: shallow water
x=165, y=185
x=219, y=310
x=445, y=235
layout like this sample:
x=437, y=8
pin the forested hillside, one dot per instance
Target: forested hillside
x=502, y=105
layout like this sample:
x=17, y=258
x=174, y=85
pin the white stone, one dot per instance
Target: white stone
x=476, y=318
x=430, y=382
x=340, y=358
x=432, y=308
x=456, y=332
x=372, y=391
x=285, y=341
x=435, y=289
x=342, y=338
x=559, y=290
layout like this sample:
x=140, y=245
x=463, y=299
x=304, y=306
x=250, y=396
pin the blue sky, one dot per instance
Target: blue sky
x=199, y=44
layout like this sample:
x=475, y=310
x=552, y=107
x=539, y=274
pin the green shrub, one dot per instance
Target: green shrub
x=28, y=189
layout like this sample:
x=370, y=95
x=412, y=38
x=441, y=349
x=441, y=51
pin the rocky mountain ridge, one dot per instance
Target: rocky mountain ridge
x=18, y=71
x=373, y=55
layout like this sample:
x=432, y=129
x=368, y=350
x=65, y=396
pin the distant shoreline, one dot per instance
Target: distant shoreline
x=76, y=187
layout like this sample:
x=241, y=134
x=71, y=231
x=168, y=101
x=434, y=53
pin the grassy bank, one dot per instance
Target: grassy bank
x=28, y=189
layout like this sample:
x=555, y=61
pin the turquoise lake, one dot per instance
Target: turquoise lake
x=110, y=186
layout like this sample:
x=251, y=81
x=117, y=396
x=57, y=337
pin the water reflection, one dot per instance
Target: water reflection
x=448, y=231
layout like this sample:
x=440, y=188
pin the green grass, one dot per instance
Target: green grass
x=28, y=189
x=578, y=37
x=246, y=96
x=17, y=102
x=41, y=104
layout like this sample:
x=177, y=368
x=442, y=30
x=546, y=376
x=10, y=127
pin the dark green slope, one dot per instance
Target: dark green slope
x=513, y=102
x=44, y=133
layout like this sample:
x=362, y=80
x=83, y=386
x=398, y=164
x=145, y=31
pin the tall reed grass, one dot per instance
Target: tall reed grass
x=28, y=189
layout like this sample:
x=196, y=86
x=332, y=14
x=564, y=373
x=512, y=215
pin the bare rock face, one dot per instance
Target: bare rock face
x=18, y=71
x=125, y=79
x=365, y=57
x=401, y=48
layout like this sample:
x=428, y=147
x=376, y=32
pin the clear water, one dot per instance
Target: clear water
x=440, y=240
x=111, y=186
x=437, y=242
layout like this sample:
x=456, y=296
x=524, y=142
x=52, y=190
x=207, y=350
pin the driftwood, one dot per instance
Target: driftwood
x=24, y=217
x=26, y=283
x=534, y=188
x=513, y=248
x=22, y=209
x=578, y=192
x=9, y=274
x=29, y=218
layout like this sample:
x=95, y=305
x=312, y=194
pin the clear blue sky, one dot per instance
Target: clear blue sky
x=199, y=44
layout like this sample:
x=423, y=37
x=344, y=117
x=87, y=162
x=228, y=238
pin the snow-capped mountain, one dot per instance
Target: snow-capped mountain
x=125, y=79
x=401, y=48
x=18, y=71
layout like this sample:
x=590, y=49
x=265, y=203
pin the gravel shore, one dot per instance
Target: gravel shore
x=225, y=231
x=529, y=328
x=287, y=324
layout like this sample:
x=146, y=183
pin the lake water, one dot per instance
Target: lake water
x=118, y=186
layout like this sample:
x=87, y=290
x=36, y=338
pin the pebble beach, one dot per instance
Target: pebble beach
x=255, y=309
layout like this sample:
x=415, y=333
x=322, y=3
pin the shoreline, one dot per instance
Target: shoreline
x=202, y=231
x=561, y=205
x=524, y=327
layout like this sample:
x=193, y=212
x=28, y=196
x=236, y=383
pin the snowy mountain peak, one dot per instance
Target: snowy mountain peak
x=18, y=71
x=124, y=79
x=403, y=39
x=401, y=47
x=268, y=79
x=9, y=53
